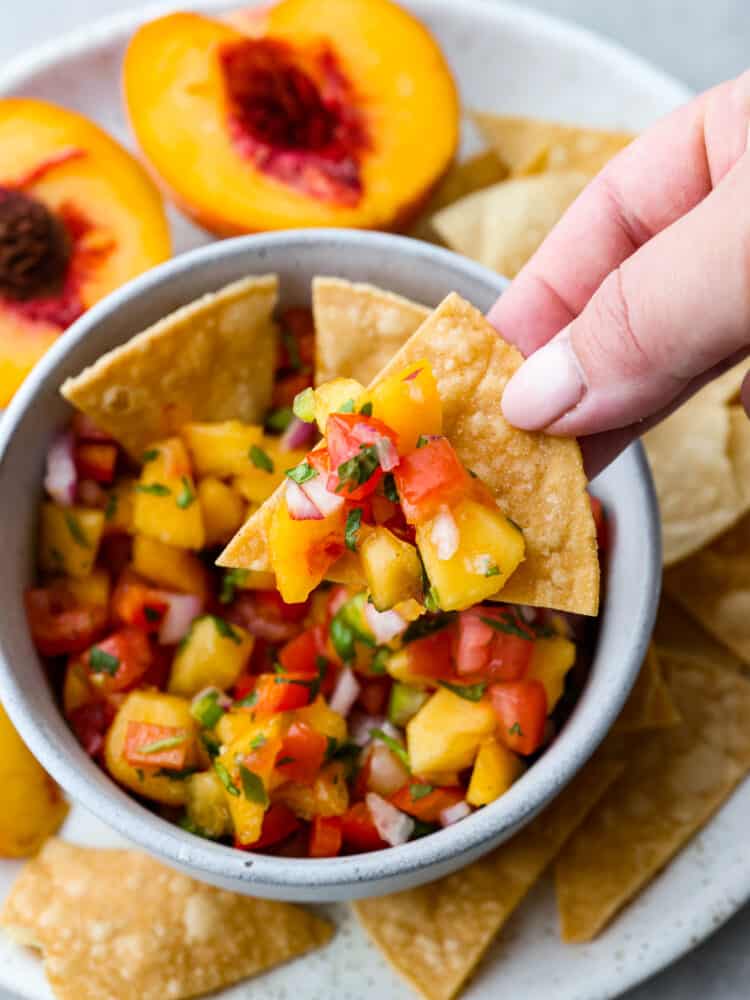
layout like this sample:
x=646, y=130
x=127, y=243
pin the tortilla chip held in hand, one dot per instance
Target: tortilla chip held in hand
x=487, y=502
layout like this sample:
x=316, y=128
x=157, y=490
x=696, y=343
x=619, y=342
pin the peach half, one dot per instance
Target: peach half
x=341, y=113
x=78, y=217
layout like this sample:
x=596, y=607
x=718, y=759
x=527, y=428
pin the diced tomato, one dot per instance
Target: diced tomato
x=285, y=389
x=90, y=724
x=601, y=523
x=510, y=656
x=85, y=429
x=141, y=737
x=115, y=552
x=473, y=640
x=426, y=807
x=337, y=598
x=135, y=603
x=359, y=831
x=504, y=649
x=119, y=661
x=362, y=777
x=297, y=343
x=432, y=656
x=243, y=686
x=430, y=478
x=58, y=623
x=157, y=674
x=346, y=434
x=280, y=693
x=96, y=461
x=300, y=655
x=521, y=710
x=270, y=602
x=265, y=615
x=302, y=754
x=383, y=509
x=319, y=460
x=326, y=837
x=374, y=694
x=279, y=823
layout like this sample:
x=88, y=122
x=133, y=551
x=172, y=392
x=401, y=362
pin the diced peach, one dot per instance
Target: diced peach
x=213, y=654
x=223, y=510
x=69, y=539
x=221, y=448
x=168, y=566
x=120, y=508
x=495, y=769
x=447, y=731
x=166, y=503
x=302, y=551
x=551, y=659
x=409, y=402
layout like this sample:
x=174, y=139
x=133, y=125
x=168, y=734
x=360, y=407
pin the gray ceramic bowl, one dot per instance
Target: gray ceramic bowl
x=421, y=272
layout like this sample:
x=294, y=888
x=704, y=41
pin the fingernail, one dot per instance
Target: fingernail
x=548, y=384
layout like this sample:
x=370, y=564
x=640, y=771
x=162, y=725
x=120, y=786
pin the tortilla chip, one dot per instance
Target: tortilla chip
x=698, y=492
x=538, y=480
x=529, y=145
x=212, y=359
x=502, y=226
x=679, y=633
x=726, y=387
x=478, y=172
x=436, y=934
x=739, y=452
x=358, y=328
x=675, y=780
x=118, y=924
x=649, y=705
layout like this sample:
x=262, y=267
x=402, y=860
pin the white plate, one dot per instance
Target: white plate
x=512, y=60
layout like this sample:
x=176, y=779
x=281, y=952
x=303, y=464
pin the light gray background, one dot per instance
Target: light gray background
x=701, y=43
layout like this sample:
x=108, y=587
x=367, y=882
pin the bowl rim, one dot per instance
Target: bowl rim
x=468, y=839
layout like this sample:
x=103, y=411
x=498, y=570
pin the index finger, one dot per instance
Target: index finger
x=654, y=181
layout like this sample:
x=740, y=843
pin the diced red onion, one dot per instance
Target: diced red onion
x=452, y=814
x=248, y=611
x=384, y=625
x=337, y=600
x=394, y=826
x=301, y=507
x=361, y=725
x=297, y=435
x=90, y=494
x=528, y=613
x=390, y=730
x=444, y=535
x=222, y=700
x=386, y=774
x=321, y=497
x=345, y=693
x=182, y=609
x=385, y=449
x=60, y=474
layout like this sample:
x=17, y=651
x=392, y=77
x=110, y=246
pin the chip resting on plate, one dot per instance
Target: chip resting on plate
x=473, y=174
x=675, y=779
x=649, y=705
x=678, y=632
x=436, y=934
x=503, y=225
x=117, y=924
x=358, y=328
x=536, y=479
x=213, y=359
x=532, y=145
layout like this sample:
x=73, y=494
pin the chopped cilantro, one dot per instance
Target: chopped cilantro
x=278, y=420
x=149, y=455
x=176, y=775
x=213, y=747
x=186, y=495
x=207, y=710
x=252, y=786
x=74, y=527
x=232, y=579
x=353, y=524
x=358, y=469
x=422, y=440
x=301, y=473
x=286, y=760
x=471, y=692
x=152, y=614
x=389, y=487
x=342, y=637
x=258, y=741
x=417, y=792
x=432, y=600
x=515, y=730
x=168, y=743
x=347, y=407
x=366, y=409
x=427, y=625
x=393, y=745
x=225, y=630
x=102, y=662
x=378, y=665
x=248, y=701
x=509, y=625
x=492, y=570
x=154, y=489
x=110, y=508
x=260, y=458
x=226, y=779
x=303, y=406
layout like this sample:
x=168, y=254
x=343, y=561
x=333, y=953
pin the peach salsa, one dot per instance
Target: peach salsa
x=366, y=688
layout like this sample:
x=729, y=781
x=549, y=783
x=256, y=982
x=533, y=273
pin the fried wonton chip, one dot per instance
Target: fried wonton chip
x=212, y=359
x=529, y=145
x=538, y=480
x=479, y=171
x=649, y=705
x=674, y=781
x=436, y=934
x=358, y=328
x=503, y=225
x=118, y=924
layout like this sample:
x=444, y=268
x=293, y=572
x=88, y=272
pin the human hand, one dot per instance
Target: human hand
x=641, y=293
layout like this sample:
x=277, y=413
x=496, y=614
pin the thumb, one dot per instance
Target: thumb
x=660, y=322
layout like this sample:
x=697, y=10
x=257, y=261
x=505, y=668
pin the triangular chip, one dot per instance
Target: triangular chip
x=503, y=225
x=649, y=705
x=679, y=633
x=674, y=781
x=531, y=145
x=436, y=934
x=115, y=923
x=538, y=480
x=210, y=360
x=358, y=328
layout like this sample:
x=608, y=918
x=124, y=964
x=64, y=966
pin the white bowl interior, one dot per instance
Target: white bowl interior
x=413, y=269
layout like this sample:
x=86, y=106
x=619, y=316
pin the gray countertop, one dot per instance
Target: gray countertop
x=702, y=44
